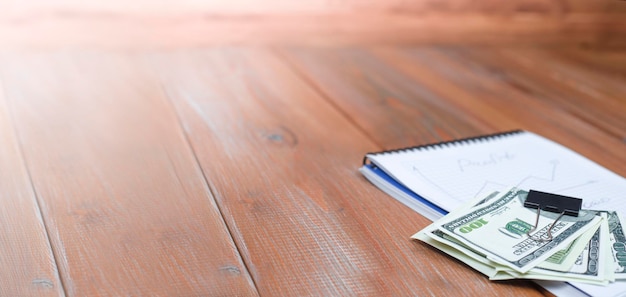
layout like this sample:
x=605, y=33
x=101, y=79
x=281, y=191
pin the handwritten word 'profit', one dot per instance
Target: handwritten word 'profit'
x=493, y=159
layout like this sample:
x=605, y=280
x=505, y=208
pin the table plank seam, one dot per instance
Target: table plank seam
x=318, y=89
x=168, y=100
x=55, y=255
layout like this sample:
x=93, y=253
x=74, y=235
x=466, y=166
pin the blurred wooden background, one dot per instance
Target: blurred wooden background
x=210, y=148
x=184, y=23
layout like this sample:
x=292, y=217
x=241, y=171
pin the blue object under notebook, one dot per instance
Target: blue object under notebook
x=375, y=172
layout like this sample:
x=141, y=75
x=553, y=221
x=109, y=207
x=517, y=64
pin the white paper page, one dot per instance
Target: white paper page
x=451, y=175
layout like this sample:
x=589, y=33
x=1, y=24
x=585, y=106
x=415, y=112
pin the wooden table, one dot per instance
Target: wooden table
x=232, y=171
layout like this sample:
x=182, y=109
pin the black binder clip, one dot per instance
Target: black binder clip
x=553, y=203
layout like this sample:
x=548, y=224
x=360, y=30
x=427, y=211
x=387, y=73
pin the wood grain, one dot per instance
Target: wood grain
x=525, y=107
x=27, y=265
x=610, y=62
x=163, y=163
x=282, y=162
x=128, y=210
x=377, y=97
x=474, y=91
x=561, y=82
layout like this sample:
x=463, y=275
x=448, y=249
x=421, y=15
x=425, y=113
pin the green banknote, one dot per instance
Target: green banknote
x=594, y=264
x=565, y=259
x=497, y=229
x=618, y=244
x=434, y=237
x=592, y=261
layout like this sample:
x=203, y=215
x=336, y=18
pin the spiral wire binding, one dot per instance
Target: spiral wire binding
x=461, y=141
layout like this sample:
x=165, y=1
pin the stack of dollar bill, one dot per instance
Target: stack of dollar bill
x=490, y=234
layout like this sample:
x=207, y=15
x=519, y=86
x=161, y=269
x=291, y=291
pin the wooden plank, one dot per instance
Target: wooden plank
x=125, y=201
x=611, y=62
x=377, y=97
x=283, y=165
x=506, y=106
x=603, y=86
x=588, y=93
x=27, y=264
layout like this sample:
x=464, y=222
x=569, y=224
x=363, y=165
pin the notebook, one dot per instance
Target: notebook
x=434, y=179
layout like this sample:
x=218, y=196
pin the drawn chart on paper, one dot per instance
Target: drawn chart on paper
x=450, y=175
x=548, y=180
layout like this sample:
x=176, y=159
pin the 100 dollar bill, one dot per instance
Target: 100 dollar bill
x=618, y=244
x=594, y=264
x=497, y=229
